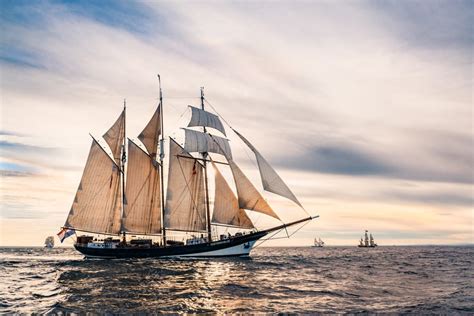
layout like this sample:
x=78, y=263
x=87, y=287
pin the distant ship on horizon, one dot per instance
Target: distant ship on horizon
x=318, y=242
x=367, y=241
x=49, y=242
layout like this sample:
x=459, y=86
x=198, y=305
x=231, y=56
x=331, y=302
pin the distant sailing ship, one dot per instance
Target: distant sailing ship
x=49, y=242
x=367, y=241
x=318, y=243
x=123, y=195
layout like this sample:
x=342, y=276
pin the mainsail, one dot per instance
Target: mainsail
x=97, y=204
x=249, y=197
x=185, y=199
x=202, y=142
x=271, y=181
x=115, y=137
x=203, y=118
x=226, y=205
x=142, y=212
x=150, y=134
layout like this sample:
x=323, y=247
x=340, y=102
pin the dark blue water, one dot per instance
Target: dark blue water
x=296, y=280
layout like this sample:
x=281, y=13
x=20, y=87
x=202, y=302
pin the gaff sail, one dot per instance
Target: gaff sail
x=185, y=207
x=142, y=211
x=97, y=204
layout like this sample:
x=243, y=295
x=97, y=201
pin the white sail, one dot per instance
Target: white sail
x=271, y=181
x=151, y=133
x=203, y=118
x=142, y=211
x=98, y=202
x=201, y=142
x=248, y=196
x=226, y=205
x=185, y=199
x=115, y=137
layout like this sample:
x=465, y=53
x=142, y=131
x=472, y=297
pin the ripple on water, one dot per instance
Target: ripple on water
x=293, y=280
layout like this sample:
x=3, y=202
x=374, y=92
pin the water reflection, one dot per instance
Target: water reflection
x=274, y=280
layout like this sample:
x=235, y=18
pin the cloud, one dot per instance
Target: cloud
x=364, y=95
x=337, y=159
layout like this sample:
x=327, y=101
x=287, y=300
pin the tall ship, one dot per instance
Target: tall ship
x=121, y=196
x=49, y=242
x=318, y=242
x=367, y=241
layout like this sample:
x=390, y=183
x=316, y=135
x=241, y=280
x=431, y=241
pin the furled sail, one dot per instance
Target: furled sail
x=115, y=137
x=203, y=118
x=249, y=197
x=97, y=204
x=142, y=211
x=202, y=142
x=226, y=205
x=185, y=199
x=271, y=181
x=150, y=135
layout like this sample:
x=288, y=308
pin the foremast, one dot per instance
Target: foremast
x=204, y=156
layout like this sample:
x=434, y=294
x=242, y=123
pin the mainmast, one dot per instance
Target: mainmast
x=122, y=164
x=162, y=156
x=204, y=155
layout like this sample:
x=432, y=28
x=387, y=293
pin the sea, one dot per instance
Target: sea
x=400, y=280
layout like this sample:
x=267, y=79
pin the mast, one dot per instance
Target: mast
x=204, y=155
x=122, y=164
x=162, y=156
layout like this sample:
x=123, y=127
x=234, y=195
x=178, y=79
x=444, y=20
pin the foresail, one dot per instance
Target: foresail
x=248, y=196
x=115, y=137
x=226, y=205
x=151, y=133
x=185, y=199
x=97, y=204
x=142, y=209
x=203, y=118
x=271, y=181
x=202, y=142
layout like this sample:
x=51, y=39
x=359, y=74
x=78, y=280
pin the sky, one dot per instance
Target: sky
x=363, y=107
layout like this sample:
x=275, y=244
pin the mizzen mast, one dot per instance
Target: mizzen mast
x=123, y=159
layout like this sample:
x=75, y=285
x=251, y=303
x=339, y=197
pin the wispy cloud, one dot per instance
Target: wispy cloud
x=372, y=97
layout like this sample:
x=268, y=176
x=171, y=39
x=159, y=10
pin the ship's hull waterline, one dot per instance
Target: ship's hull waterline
x=234, y=247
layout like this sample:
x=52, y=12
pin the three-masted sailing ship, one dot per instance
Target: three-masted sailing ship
x=122, y=195
x=367, y=242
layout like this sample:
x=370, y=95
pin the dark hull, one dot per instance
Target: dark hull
x=236, y=246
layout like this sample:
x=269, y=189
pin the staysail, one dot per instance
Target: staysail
x=226, y=205
x=185, y=199
x=142, y=212
x=271, y=181
x=249, y=197
x=97, y=204
x=202, y=142
x=203, y=118
x=115, y=137
x=151, y=133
